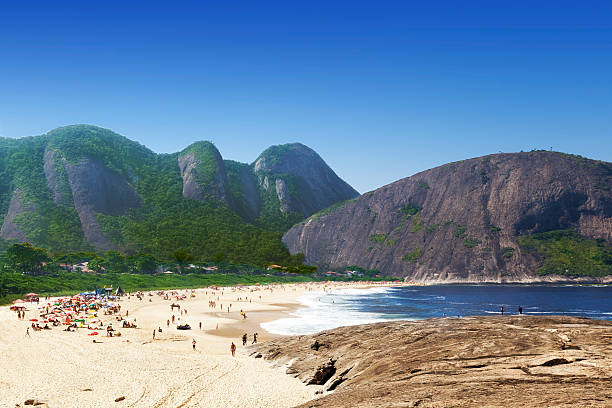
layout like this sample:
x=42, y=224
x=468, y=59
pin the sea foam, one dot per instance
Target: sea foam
x=327, y=310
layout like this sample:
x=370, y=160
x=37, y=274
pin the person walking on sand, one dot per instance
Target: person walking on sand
x=233, y=349
x=193, y=344
x=254, y=338
x=502, y=310
x=153, y=334
x=244, y=339
x=28, y=332
x=520, y=310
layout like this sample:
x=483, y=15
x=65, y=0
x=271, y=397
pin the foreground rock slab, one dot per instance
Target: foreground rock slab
x=509, y=361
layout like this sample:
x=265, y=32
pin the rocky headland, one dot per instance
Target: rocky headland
x=497, y=361
x=515, y=217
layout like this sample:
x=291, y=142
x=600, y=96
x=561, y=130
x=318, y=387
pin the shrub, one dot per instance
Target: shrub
x=413, y=255
x=378, y=238
x=471, y=242
x=507, y=252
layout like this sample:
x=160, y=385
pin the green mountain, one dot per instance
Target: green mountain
x=84, y=188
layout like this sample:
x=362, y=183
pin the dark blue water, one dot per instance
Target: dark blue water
x=345, y=307
x=458, y=300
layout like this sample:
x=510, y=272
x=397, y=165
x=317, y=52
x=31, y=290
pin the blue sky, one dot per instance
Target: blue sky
x=381, y=90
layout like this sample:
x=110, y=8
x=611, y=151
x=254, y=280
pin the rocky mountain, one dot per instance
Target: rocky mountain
x=505, y=217
x=86, y=188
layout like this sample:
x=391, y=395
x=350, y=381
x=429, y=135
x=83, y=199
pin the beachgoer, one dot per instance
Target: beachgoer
x=200, y=325
x=193, y=344
x=244, y=339
x=153, y=334
x=520, y=310
x=28, y=332
x=168, y=323
x=233, y=349
x=502, y=310
x=254, y=338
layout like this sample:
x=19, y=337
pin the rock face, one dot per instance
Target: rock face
x=459, y=222
x=78, y=179
x=203, y=173
x=97, y=189
x=51, y=175
x=303, y=182
x=509, y=361
x=10, y=230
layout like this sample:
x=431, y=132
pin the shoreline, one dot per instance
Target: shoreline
x=69, y=369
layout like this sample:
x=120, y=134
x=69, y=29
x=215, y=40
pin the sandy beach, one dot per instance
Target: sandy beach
x=67, y=369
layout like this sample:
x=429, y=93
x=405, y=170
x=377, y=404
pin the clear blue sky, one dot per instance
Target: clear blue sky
x=380, y=89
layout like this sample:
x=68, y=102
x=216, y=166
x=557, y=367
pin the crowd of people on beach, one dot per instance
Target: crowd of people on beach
x=97, y=312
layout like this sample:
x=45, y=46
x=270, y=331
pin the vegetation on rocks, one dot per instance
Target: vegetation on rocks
x=565, y=252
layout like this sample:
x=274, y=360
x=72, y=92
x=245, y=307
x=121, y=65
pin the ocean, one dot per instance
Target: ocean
x=345, y=307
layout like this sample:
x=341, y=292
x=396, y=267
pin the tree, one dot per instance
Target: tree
x=143, y=264
x=114, y=262
x=182, y=257
x=26, y=258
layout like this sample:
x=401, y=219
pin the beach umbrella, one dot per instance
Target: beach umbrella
x=31, y=294
x=18, y=301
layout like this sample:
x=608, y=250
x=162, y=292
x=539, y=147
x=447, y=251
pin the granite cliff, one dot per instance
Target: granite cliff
x=531, y=216
x=83, y=187
x=501, y=361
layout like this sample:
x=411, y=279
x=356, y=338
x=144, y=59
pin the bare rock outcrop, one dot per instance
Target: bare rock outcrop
x=97, y=189
x=459, y=222
x=203, y=173
x=501, y=361
x=304, y=183
x=10, y=230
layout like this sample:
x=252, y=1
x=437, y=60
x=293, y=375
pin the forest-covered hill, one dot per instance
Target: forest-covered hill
x=85, y=188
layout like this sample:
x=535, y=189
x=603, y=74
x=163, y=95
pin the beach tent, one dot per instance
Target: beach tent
x=119, y=291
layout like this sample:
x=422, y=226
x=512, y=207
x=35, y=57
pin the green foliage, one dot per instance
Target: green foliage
x=565, y=252
x=460, y=231
x=26, y=258
x=209, y=160
x=332, y=209
x=378, y=238
x=270, y=216
x=471, y=242
x=410, y=209
x=432, y=228
x=417, y=224
x=391, y=242
x=423, y=184
x=494, y=228
x=507, y=252
x=65, y=283
x=413, y=255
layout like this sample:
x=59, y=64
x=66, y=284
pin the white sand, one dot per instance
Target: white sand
x=66, y=369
